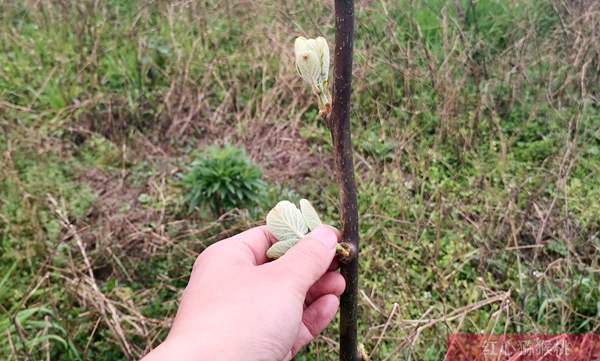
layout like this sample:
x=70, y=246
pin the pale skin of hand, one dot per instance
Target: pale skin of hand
x=239, y=306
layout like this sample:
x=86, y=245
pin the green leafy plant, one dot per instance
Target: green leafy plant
x=38, y=324
x=223, y=178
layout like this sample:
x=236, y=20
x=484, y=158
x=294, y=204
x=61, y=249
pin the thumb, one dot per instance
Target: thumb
x=310, y=258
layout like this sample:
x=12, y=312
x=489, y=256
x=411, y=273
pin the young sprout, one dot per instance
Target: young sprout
x=290, y=224
x=312, y=64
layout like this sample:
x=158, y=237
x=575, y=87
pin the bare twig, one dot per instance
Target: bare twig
x=385, y=327
x=344, y=169
x=108, y=310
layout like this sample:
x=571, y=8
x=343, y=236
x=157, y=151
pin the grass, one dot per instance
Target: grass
x=476, y=132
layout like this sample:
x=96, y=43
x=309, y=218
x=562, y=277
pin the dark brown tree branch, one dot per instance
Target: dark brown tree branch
x=339, y=122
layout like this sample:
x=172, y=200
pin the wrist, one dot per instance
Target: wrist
x=198, y=349
x=171, y=349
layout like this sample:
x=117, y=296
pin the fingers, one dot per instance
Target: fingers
x=255, y=242
x=309, y=259
x=316, y=317
x=331, y=283
x=335, y=264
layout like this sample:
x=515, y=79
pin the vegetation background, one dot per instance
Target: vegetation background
x=477, y=147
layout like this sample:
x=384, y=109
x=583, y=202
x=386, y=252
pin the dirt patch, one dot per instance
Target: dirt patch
x=118, y=222
x=284, y=155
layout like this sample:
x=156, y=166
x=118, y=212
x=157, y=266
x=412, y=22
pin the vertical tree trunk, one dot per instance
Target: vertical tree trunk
x=339, y=122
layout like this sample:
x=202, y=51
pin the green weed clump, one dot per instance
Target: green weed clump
x=223, y=178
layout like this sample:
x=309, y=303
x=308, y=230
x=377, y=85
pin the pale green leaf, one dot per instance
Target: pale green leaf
x=311, y=217
x=278, y=249
x=286, y=222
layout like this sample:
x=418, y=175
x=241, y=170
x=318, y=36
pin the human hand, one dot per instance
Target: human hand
x=239, y=307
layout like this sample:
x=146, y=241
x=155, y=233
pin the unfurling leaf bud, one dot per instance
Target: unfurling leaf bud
x=312, y=64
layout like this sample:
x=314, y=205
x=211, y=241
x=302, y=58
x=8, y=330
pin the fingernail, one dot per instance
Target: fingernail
x=326, y=235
